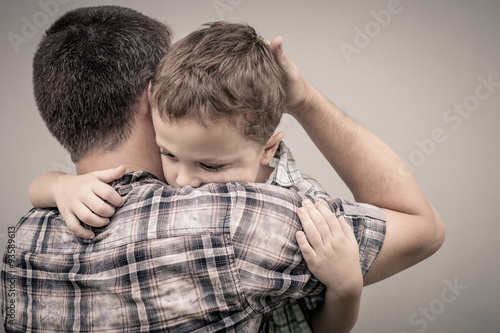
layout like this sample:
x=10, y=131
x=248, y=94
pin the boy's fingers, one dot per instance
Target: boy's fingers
x=97, y=206
x=75, y=227
x=87, y=216
x=317, y=218
x=312, y=233
x=109, y=175
x=306, y=249
x=347, y=229
x=330, y=218
x=106, y=192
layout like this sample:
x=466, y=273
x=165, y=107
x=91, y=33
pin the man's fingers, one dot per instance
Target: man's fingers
x=282, y=58
x=276, y=47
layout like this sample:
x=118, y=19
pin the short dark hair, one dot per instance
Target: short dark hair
x=89, y=72
x=224, y=71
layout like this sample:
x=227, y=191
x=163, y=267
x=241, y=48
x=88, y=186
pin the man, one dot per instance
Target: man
x=219, y=258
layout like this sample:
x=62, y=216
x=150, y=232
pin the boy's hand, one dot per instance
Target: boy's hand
x=330, y=249
x=298, y=88
x=81, y=198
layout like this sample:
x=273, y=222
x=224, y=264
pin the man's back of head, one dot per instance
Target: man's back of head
x=89, y=72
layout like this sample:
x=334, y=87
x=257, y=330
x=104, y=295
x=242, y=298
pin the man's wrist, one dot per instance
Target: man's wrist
x=303, y=106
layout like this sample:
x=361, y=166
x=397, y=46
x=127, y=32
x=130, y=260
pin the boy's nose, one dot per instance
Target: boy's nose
x=184, y=178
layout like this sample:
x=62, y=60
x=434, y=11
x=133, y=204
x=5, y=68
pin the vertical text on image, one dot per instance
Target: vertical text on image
x=10, y=276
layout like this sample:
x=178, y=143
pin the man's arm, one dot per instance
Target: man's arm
x=373, y=172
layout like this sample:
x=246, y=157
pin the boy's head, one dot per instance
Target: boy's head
x=89, y=72
x=219, y=89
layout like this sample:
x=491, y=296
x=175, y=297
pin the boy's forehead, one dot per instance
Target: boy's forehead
x=216, y=138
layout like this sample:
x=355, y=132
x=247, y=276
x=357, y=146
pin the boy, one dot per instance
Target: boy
x=217, y=98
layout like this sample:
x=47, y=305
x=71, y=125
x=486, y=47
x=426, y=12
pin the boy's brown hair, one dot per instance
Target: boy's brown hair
x=224, y=71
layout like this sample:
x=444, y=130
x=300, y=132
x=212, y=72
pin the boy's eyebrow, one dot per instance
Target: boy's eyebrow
x=215, y=160
x=207, y=160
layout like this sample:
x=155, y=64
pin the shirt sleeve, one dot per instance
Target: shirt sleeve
x=264, y=221
x=271, y=268
x=367, y=221
x=368, y=224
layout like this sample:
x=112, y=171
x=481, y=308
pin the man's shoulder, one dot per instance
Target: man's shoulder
x=143, y=187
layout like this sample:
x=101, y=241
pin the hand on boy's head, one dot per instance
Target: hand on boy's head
x=297, y=89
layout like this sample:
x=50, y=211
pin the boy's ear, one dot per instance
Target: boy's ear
x=270, y=148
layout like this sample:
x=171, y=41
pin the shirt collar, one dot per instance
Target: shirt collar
x=285, y=173
x=127, y=182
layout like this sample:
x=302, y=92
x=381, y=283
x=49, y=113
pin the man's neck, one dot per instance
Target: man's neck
x=101, y=161
x=138, y=153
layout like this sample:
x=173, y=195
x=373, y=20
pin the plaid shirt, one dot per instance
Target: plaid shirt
x=219, y=258
x=293, y=315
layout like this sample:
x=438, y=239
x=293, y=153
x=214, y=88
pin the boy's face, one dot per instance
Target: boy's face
x=193, y=154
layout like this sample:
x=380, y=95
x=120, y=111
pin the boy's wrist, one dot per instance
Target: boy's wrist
x=57, y=187
x=350, y=293
x=351, y=289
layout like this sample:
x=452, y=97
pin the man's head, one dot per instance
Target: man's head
x=89, y=72
x=218, y=77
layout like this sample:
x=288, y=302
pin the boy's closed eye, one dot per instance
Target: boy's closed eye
x=211, y=168
x=205, y=166
x=169, y=155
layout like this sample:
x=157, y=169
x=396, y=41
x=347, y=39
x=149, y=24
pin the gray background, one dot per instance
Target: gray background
x=402, y=80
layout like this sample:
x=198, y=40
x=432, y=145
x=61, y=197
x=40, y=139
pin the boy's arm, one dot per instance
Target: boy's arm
x=332, y=254
x=78, y=197
x=371, y=169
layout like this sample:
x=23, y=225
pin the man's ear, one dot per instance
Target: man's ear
x=149, y=92
x=270, y=148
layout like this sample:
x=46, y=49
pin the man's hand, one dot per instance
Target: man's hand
x=372, y=171
x=298, y=88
